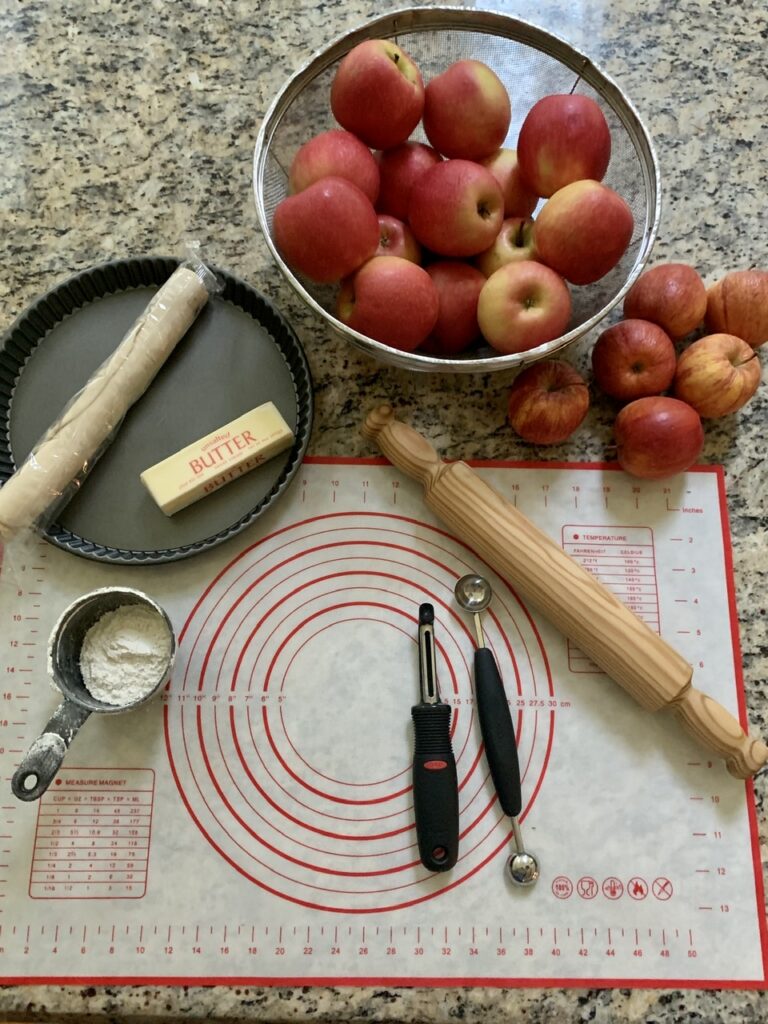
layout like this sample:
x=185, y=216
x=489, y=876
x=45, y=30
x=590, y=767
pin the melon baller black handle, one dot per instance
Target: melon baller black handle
x=498, y=732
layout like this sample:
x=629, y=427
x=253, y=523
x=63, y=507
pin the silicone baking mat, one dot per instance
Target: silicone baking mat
x=255, y=824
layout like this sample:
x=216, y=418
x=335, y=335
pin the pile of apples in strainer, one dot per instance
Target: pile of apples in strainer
x=434, y=245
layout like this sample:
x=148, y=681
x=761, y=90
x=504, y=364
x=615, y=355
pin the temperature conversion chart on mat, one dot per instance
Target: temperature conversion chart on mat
x=255, y=823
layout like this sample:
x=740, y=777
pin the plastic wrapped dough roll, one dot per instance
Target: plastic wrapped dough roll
x=68, y=449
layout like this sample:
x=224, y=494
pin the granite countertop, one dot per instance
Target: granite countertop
x=128, y=128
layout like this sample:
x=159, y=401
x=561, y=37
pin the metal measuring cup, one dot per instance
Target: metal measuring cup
x=42, y=761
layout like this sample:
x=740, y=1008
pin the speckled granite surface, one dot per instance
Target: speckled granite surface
x=128, y=127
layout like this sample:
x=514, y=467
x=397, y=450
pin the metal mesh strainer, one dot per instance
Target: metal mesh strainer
x=531, y=63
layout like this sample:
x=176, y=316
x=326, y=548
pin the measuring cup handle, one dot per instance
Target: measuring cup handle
x=42, y=761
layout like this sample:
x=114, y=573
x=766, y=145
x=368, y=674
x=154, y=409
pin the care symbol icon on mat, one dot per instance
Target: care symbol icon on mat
x=613, y=888
x=562, y=887
x=662, y=888
x=587, y=888
x=637, y=888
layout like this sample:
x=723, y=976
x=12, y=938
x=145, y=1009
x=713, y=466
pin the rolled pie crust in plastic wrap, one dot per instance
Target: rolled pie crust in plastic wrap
x=63, y=456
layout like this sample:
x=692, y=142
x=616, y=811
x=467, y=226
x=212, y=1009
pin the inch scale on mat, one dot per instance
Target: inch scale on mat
x=351, y=549
x=374, y=949
x=22, y=662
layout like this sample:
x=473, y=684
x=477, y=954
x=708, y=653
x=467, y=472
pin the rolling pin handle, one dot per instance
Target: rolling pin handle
x=718, y=731
x=402, y=445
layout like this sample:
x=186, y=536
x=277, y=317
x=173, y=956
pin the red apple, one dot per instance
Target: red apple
x=547, y=402
x=456, y=208
x=466, y=111
x=513, y=244
x=458, y=289
x=717, y=375
x=632, y=359
x=563, y=139
x=519, y=200
x=398, y=169
x=335, y=154
x=658, y=437
x=326, y=231
x=391, y=300
x=523, y=305
x=583, y=231
x=671, y=295
x=738, y=304
x=377, y=93
x=396, y=239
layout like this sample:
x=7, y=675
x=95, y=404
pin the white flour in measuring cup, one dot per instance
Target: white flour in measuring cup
x=125, y=654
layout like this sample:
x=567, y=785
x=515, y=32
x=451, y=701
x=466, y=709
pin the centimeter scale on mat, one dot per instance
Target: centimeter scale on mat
x=256, y=822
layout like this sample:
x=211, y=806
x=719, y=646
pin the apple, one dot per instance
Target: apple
x=513, y=244
x=671, y=295
x=632, y=359
x=564, y=138
x=396, y=239
x=523, y=305
x=519, y=200
x=717, y=375
x=336, y=154
x=458, y=289
x=738, y=304
x=658, y=437
x=377, y=93
x=466, y=111
x=327, y=230
x=391, y=300
x=582, y=231
x=456, y=208
x=399, y=167
x=547, y=402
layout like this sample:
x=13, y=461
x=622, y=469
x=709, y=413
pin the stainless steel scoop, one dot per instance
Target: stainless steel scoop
x=42, y=761
x=473, y=593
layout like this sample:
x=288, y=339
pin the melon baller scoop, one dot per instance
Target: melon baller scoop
x=473, y=593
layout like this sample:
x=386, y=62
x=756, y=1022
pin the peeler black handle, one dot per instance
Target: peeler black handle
x=498, y=732
x=435, y=788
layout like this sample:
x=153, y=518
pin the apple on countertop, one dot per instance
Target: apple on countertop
x=547, y=402
x=633, y=359
x=657, y=437
x=671, y=295
x=717, y=375
x=738, y=304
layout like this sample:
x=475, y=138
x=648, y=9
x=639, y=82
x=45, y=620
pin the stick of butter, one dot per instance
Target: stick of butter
x=217, y=459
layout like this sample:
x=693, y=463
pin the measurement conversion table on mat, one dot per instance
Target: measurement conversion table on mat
x=256, y=822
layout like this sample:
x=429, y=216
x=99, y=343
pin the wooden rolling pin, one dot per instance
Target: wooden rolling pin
x=571, y=598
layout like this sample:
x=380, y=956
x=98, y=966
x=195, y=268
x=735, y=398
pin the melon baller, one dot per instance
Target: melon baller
x=473, y=593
